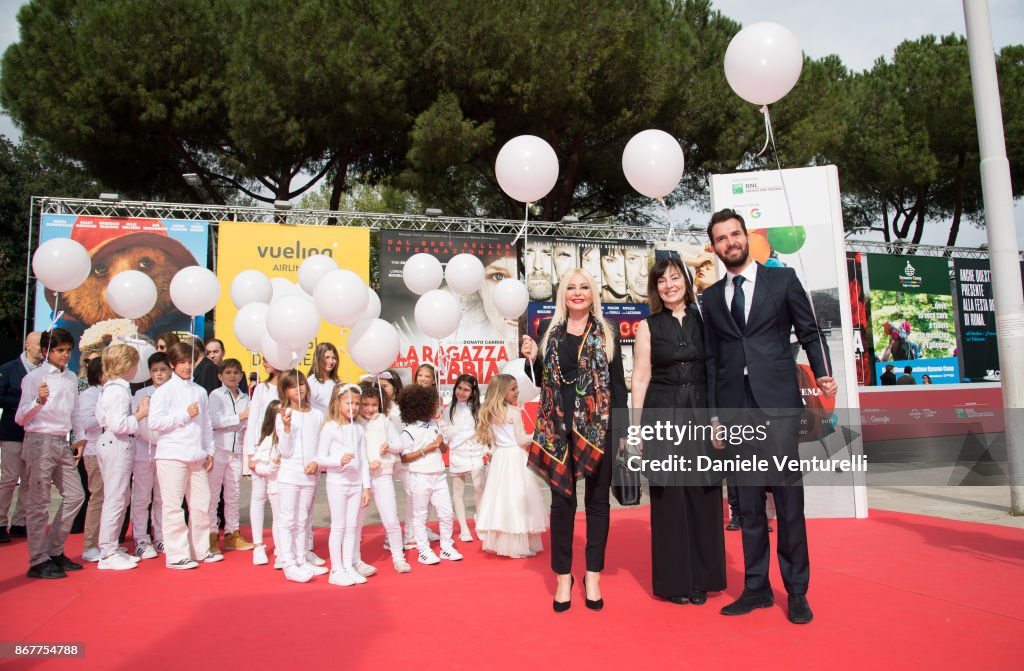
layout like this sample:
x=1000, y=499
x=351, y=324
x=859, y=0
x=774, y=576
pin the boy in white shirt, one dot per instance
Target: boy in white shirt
x=184, y=456
x=229, y=414
x=49, y=395
x=145, y=488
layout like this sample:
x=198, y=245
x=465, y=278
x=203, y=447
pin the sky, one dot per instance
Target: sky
x=858, y=32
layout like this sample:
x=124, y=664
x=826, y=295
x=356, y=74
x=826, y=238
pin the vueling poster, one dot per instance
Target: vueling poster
x=278, y=251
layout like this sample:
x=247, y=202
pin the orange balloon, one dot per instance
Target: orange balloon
x=760, y=248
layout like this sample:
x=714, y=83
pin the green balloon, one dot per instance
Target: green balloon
x=787, y=239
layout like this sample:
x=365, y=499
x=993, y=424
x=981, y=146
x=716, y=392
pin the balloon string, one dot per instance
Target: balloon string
x=192, y=341
x=769, y=137
x=523, y=231
x=56, y=312
x=668, y=218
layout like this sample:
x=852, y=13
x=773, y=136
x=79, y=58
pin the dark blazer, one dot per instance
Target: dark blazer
x=11, y=375
x=779, y=306
x=205, y=375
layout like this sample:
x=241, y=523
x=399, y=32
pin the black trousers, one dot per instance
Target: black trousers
x=597, y=488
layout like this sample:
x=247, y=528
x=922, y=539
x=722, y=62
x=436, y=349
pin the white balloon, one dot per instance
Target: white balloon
x=195, y=290
x=464, y=274
x=131, y=294
x=279, y=356
x=145, y=351
x=372, y=310
x=251, y=286
x=438, y=313
x=511, y=298
x=313, y=269
x=251, y=325
x=340, y=297
x=373, y=345
x=61, y=264
x=763, y=62
x=281, y=287
x=292, y=320
x=526, y=168
x=653, y=163
x=421, y=273
x=528, y=391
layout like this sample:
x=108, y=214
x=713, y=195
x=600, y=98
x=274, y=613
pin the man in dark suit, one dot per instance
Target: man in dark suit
x=12, y=462
x=888, y=377
x=752, y=380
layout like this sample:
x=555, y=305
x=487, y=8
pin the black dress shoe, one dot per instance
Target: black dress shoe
x=46, y=570
x=735, y=524
x=66, y=564
x=799, y=609
x=562, y=606
x=699, y=597
x=19, y=531
x=749, y=601
x=678, y=600
x=4, y=536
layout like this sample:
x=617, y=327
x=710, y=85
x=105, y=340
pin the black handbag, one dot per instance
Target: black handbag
x=625, y=481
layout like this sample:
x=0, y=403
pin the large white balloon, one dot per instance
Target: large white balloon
x=422, y=273
x=526, y=168
x=438, y=313
x=763, y=62
x=464, y=274
x=292, y=320
x=313, y=269
x=653, y=163
x=279, y=286
x=251, y=286
x=195, y=290
x=61, y=264
x=340, y=297
x=373, y=345
x=131, y=294
x=279, y=356
x=528, y=391
x=251, y=325
x=145, y=351
x=511, y=298
x=372, y=310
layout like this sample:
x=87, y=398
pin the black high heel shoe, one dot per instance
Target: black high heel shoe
x=562, y=606
x=592, y=604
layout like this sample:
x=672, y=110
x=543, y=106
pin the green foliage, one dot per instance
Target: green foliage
x=930, y=317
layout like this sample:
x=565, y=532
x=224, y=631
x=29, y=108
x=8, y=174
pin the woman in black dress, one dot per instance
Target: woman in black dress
x=687, y=540
x=579, y=370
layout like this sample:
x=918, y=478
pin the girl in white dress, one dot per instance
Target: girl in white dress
x=466, y=458
x=512, y=513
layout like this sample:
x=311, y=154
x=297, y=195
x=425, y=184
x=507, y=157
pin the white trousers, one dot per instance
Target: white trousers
x=479, y=476
x=115, y=457
x=146, y=489
x=226, y=472
x=294, y=503
x=346, y=523
x=383, y=487
x=430, y=489
x=188, y=480
x=402, y=473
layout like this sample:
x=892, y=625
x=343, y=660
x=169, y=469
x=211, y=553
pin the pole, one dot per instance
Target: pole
x=1002, y=237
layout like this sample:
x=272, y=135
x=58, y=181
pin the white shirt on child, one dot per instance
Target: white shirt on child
x=228, y=429
x=180, y=437
x=145, y=439
x=298, y=447
x=263, y=395
x=320, y=393
x=263, y=462
x=337, y=440
x=419, y=435
x=114, y=409
x=381, y=430
x=84, y=425
x=53, y=417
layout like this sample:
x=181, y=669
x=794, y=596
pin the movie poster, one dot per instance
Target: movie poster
x=484, y=341
x=619, y=268
x=912, y=319
x=157, y=247
x=278, y=251
x=698, y=258
x=977, y=351
x=861, y=321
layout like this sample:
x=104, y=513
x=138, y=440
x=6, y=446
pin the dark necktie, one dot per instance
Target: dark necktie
x=739, y=303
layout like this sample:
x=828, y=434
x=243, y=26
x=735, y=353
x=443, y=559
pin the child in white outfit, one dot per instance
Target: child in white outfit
x=466, y=458
x=263, y=395
x=342, y=453
x=264, y=462
x=229, y=413
x=145, y=488
x=85, y=427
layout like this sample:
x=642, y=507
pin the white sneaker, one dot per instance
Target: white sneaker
x=259, y=555
x=409, y=544
x=466, y=536
x=92, y=555
x=145, y=550
x=297, y=574
x=132, y=558
x=158, y=546
x=311, y=558
x=278, y=564
x=428, y=557
x=364, y=569
x=116, y=562
x=354, y=574
x=213, y=557
x=432, y=535
x=184, y=564
x=451, y=554
x=341, y=578
x=402, y=566
x=316, y=570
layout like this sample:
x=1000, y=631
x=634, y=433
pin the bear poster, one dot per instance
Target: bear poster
x=157, y=247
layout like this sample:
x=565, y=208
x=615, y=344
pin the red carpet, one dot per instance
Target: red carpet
x=890, y=592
